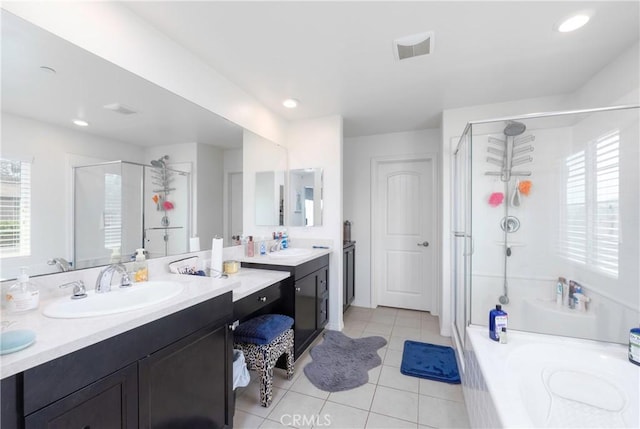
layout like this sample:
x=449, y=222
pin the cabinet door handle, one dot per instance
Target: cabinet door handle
x=424, y=244
x=234, y=325
x=298, y=289
x=262, y=299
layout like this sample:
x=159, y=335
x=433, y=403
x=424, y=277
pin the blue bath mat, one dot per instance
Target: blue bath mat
x=430, y=361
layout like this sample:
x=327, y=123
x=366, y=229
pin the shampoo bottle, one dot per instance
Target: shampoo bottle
x=250, y=247
x=140, y=268
x=22, y=296
x=497, y=321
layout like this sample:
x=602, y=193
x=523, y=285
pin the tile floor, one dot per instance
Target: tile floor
x=390, y=399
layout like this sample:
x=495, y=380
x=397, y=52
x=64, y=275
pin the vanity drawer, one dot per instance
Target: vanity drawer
x=257, y=301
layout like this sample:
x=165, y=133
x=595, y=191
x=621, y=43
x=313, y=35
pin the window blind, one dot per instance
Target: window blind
x=112, y=211
x=15, y=208
x=591, y=212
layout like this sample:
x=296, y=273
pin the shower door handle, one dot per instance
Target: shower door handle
x=424, y=244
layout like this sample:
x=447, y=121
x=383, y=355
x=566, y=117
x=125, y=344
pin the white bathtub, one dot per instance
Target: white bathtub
x=545, y=381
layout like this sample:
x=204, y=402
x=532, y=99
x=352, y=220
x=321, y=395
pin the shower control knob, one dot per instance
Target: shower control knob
x=424, y=244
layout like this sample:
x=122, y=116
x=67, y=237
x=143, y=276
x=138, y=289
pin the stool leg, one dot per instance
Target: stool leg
x=290, y=367
x=266, y=380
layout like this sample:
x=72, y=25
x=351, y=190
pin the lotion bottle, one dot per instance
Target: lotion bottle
x=140, y=267
x=497, y=321
x=23, y=295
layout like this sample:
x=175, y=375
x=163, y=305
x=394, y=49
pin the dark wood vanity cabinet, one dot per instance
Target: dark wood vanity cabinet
x=349, y=276
x=305, y=297
x=175, y=372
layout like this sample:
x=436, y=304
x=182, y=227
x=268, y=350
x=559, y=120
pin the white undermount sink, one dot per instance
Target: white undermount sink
x=291, y=252
x=118, y=300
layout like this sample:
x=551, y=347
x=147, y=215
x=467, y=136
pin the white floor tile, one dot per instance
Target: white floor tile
x=341, y=416
x=250, y=401
x=441, y=413
x=304, y=386
x=436, y=339
x=378, y=328
x=452, y=392
x=395, y=403
x=392, y=377
x=242, y=420
x=272, y=424
x=360, y=397
x=396, y=343
x=409, y=322
x=296, y=404
x=385, y=310
x=366, y=333
x=383, y=318
x=374, y=374
x=393, y=358
x=355, y=325
x=409, y=333
x=280, y=377
x=378, y=421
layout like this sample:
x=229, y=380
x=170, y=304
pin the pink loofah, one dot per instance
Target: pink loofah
x=496, y=199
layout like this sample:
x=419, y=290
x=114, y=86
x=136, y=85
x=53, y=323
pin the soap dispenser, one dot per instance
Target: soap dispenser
x=23, y=295
x=140, y=268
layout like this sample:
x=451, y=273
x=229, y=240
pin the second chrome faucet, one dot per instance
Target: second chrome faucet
x=103, y=283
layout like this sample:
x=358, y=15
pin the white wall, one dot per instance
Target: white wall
x=317, y=143
x=49, y=148
x=113, y=32
x=358, y=152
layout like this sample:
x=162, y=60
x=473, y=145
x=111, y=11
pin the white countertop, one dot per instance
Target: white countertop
x=290, y=261
x=58, y=337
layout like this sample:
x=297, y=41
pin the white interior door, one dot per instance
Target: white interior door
x=404, y=217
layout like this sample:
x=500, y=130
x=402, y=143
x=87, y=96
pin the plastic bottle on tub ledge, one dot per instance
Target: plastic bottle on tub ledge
x=634, y=346
x=497, y=320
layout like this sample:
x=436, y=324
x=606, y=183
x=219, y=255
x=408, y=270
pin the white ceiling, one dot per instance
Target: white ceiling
x=84, y=83
x=336, y=57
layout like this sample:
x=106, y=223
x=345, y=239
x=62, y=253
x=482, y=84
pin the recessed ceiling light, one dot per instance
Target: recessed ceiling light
x=572, y=23
x=290, y=103
x=80, y=123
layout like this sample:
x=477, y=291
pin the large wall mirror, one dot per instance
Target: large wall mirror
x=151, y=168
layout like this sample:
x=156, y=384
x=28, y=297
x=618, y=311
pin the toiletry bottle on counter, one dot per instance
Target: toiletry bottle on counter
x=285, y=240
x=22, y=296
x=140, y=267
x=497, y=321
x=250, y=247
x=634, y=346
x=263, y=247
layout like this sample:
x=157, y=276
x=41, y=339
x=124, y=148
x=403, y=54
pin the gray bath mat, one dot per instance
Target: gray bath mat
x=342, y=363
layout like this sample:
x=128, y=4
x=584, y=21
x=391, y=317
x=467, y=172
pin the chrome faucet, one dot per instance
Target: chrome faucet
x=103, y=284
x=62, y=264
x=276, y=246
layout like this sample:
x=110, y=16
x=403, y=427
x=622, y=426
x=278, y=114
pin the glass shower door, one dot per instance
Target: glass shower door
x=462, y=240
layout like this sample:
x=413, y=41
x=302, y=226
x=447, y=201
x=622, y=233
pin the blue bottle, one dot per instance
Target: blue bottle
x=497, y=321
x=634, y=346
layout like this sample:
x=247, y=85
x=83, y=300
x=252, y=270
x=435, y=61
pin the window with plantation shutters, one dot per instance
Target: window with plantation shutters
x=112, y=211
x=15, y=208
x=591, y=211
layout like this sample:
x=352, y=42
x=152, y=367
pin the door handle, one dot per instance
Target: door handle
x=424, y=244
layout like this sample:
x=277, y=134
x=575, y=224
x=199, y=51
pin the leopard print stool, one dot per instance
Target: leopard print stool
x=263, y=357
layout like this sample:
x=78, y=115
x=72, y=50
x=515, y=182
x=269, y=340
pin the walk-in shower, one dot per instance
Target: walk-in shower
x=543, y=196
x=121, y=206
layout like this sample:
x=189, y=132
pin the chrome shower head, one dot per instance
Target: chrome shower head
x=514, y=128
x=159, y=163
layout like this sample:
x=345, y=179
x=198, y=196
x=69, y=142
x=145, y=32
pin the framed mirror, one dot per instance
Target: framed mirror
x=47, y=83
x=305, y=197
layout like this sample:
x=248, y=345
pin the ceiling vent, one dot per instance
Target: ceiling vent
x=413, y=46
x=120, y=108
